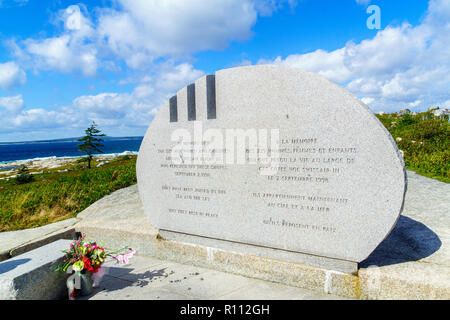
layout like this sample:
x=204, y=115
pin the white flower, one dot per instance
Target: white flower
x=78, y=266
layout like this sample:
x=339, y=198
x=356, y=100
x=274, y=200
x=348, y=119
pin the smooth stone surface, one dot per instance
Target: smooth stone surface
x=407, y=280
x=112, y=209
x=32, y=276
x=423, y=231
x=290, y=256
x=339, y=188
x=13, y=243
x=151, y=279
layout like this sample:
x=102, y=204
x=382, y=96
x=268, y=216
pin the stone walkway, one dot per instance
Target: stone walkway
x=149, y=278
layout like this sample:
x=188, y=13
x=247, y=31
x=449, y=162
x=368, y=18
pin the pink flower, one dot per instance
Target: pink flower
x=124, y=258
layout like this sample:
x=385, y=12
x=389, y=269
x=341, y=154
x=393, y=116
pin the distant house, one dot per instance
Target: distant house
x=442, y=113
x=438, y=112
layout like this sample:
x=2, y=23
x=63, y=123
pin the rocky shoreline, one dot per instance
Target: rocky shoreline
x=40, y=165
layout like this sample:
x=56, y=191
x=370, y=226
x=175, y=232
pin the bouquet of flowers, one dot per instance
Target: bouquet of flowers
x=85, y=258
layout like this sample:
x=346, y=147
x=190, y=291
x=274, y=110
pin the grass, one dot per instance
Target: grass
x=56, y=196
x=425, y=141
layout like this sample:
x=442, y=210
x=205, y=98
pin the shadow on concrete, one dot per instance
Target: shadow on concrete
x=409, y=241
x=119, y=278
x=9, y=265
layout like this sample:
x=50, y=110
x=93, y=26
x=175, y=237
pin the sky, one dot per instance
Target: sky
x=66, y=63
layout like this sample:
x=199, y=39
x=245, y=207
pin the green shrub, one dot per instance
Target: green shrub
x=23, y=175
x=407, y=120
x=425, y=141
x=82, y=160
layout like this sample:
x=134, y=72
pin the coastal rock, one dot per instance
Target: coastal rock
x=404, y=111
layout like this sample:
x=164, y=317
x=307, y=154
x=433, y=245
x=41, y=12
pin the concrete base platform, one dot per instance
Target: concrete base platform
x=412, y=263
x=265, y=252
x=149, y=278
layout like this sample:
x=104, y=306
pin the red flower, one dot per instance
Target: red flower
x=88, y=265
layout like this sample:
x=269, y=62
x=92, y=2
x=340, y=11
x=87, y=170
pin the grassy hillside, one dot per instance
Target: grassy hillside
x=425, y=141
x=56, y=196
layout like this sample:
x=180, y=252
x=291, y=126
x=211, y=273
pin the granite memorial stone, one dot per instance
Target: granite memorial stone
x=273, y=161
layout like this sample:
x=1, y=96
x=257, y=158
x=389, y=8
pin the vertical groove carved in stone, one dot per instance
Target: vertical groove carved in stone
x=173, y=109
x=211, y=96
x=191, y=102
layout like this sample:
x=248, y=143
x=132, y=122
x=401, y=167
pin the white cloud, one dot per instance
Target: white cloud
x=415, y=103
x=74, y=49
x=367, y=100
x=139, y=106
x=174, y=77
x=41, y=118
x=28, y=122
x=13, y=104
x=140, y=31
x=327, y=64
x=400, y=66
x=143, y=91
x=11, y=75
x=112, y=111
x=59, y=53
x=143, y=30
x=446, y=104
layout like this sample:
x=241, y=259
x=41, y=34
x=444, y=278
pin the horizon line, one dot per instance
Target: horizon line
x=60, y=139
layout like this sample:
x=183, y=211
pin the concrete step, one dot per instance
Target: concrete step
x=32, y=276
x=13, y=243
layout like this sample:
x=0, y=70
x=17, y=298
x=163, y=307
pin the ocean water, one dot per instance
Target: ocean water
x=11, y=151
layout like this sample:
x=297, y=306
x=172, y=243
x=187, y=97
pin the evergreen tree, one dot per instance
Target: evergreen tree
x=91, y=142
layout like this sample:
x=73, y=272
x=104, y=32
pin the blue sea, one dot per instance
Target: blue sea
x=11, y=151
